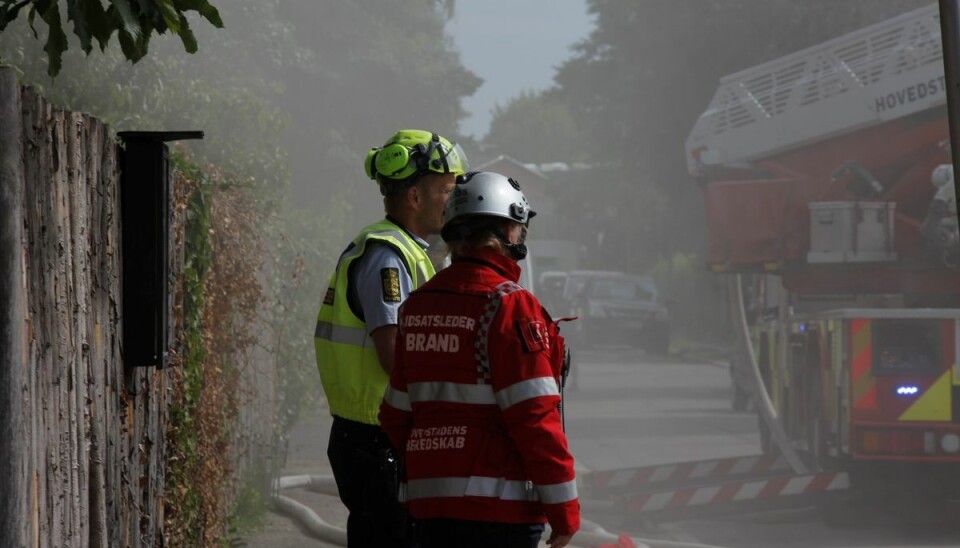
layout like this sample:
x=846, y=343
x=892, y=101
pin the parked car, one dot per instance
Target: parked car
x=614, y=307
x=550, y=287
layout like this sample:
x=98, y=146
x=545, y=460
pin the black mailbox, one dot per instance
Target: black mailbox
x=145, y=221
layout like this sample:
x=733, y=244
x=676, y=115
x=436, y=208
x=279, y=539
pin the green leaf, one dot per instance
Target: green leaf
x=77, y=17
x=127, y=45
x=126, y=14
x=211, y=14
x=98, y=22
x=143, y=40
x=170, y=15
x=42, y=5
x=30, y=17
x=186, y=36
x=8, y=13
x=142, y=7
x=204, y=8
x=56, y=39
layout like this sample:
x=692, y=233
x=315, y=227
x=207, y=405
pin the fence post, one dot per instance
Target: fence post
x=12, y=483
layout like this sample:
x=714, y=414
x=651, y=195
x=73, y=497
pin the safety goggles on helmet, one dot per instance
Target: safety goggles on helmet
x=411, y=153
x=481, y=198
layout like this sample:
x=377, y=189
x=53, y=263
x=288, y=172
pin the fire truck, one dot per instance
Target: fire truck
x=828, y=187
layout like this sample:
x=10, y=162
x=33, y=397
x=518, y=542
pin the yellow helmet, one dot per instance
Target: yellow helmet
x=410, y=153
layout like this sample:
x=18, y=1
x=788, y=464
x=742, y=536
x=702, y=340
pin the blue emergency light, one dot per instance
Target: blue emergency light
x=908, y=390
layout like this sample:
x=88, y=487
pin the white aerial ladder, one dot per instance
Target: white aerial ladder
x=879, y=73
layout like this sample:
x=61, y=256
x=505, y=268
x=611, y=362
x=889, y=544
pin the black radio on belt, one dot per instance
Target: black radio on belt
x=565, y=368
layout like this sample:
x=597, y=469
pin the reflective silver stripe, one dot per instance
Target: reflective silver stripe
x=356, y=336
x=500, y=488
x=397, y=398
x=525, y=390
x=480, y=394
x=474, y=486
x=558, y=492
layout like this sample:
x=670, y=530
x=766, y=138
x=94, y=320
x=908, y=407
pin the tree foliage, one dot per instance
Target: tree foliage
x=346, y=74
x=134, y=22
x=378, y=66
x=545, y=115
x=168, y=90
x=302, y=83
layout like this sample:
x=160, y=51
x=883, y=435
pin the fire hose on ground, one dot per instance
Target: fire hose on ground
x=590, y=534
x=306, y=517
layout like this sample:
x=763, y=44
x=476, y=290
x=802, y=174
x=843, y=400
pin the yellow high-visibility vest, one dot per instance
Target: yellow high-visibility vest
x=349, y=367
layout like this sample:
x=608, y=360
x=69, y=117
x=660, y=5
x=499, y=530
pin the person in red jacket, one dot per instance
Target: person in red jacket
x=472, y=403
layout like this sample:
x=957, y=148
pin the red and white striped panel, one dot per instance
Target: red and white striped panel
x=738, y=491
x=685, y=472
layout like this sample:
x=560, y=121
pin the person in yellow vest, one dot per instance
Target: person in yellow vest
x=357, y=324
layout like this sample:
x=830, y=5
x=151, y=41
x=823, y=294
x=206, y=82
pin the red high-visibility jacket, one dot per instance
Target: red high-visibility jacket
x=472, y=403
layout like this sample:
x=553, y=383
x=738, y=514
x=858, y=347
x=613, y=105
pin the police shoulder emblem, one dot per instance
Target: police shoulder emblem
x=390, y=280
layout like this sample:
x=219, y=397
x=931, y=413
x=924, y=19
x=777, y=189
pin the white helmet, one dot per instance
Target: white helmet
x=480, y=195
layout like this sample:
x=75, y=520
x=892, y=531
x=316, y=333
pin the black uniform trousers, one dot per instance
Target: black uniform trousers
x=446, y=533
x=366, y=488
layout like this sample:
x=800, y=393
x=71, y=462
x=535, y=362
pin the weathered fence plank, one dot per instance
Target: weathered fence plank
x=93, y=460
x=89, y=458
x=99, y=316
x=13, y=503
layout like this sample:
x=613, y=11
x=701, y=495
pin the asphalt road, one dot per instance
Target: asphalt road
x=625, y=409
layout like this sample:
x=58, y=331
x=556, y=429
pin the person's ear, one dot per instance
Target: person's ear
x=414, y=197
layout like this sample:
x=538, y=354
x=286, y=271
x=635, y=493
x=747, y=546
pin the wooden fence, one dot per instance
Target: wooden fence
x=83, y=460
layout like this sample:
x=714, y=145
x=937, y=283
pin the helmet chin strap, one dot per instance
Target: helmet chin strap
x=516, y=250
